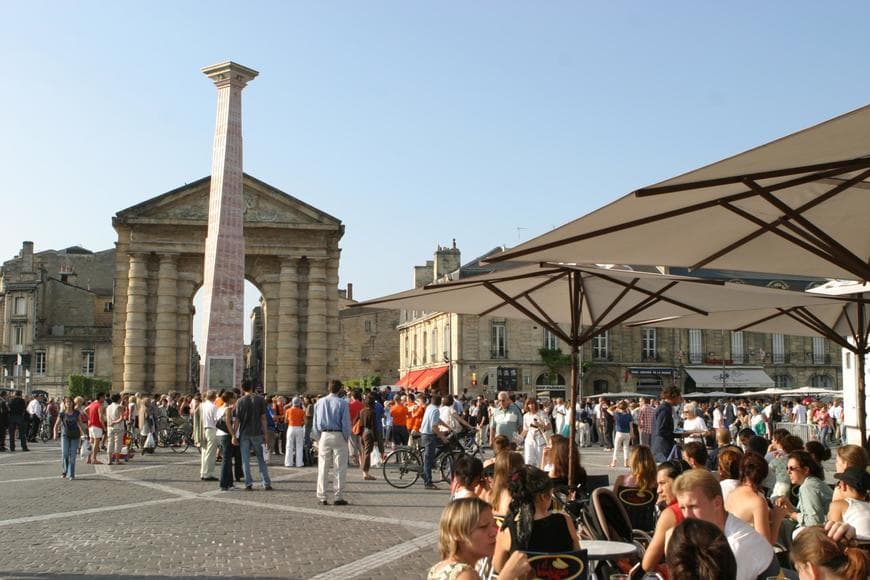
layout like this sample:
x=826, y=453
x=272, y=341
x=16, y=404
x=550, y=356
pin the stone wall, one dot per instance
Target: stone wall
x=369, y=344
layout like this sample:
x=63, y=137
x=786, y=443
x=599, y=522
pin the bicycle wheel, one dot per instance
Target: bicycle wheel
x=402, y=468
x=178, y=442
x=445, y=465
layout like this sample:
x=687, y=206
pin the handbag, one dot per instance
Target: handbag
x=376, y=460
x=222, y=425
x=149, y=441
x=357, y=427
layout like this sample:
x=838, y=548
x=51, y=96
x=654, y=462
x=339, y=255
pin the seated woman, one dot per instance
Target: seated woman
x=559, y=472
x=850, y=504
x=642, y=470
x=466, y=534
x=506, y=463
x=747, y=501
x=530, y=526
x=729, y=470
x=468, y=477
x=851, y=456
x=814, y=497
x=670, y=513
x=816, y=556
x=777, y=480
x=698, y=550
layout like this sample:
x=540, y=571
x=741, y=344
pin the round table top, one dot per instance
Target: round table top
x=601, y=549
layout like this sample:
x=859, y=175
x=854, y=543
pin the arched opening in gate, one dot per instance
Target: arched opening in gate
x=254, y=324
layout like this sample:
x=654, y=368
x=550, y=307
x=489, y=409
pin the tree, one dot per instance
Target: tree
x=555, y=361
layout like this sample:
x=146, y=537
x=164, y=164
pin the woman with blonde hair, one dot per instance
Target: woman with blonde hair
x=851, y=456
x=642, y=470
x=466, y=534
x=818, y=557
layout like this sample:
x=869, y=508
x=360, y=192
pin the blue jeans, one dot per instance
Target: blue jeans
x=227, y=447
x=824, y=432
x=246, y=442
x=430, y=449
x=69, y=447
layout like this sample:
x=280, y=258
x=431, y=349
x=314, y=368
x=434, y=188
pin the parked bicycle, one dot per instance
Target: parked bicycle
x=404, y=465
x=177, y=437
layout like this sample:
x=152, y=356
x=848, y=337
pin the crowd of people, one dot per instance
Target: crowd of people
x=734, y=490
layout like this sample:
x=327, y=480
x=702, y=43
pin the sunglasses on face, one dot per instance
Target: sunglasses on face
x=794, y=468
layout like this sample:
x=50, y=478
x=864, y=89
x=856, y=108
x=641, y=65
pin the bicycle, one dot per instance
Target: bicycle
x=404, y=465
x=45, y=427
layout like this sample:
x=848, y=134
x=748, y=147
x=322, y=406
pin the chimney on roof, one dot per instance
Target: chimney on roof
x=27, y=256
x=350, y=290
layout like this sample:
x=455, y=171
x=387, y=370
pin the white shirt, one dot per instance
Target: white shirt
x=34, y=407
x=209, y=417
x=114, y=412
x=800, y=414
x=836, y=412
x=728, y=485
x=718, y=419
x=695, y=424
x=753, y=553
x=559, y=412
x=447, y=416
x=858, y=516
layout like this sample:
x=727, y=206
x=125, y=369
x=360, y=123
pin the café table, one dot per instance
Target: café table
x=598, y=550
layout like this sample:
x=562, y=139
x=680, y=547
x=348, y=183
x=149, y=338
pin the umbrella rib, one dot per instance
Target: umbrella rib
x=791, y=238
x=774, y=224
x=506, y=297
x=836, y=249
x=545, y=269
x=660, y=293
x=808, y=319
x=524, y=293
x=615, y=301
x=546, y=316
x=841, y=166
x=780, y=312
x=639, y=307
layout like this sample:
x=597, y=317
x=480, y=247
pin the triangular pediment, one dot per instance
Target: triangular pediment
x=264, y=204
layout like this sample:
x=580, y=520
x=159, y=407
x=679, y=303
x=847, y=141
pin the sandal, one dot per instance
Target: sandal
x=369, y=478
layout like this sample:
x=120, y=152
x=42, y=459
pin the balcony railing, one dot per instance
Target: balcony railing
x=498, y=353
x=650, y=357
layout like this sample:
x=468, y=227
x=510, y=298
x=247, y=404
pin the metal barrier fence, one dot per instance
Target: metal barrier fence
x=805, y=431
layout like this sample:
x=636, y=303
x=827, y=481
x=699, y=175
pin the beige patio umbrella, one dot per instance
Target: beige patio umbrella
x=588, y=300
x=797, y=205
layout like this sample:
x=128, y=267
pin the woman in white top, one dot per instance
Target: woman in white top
x=536, y=426
x=693, y=425
x=852, y=506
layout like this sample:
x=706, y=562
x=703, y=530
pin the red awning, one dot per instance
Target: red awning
x=428, y=377
x=408, y=379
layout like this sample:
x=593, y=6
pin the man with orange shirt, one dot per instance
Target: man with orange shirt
x=294, y=416
x=416, y=410
x=399, y=413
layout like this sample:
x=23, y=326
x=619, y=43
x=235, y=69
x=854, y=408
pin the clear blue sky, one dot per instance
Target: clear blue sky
x=412, y=122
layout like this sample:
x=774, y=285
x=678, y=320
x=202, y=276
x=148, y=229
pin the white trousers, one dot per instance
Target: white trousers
x=331, y=452
x=583, y=432
x=209, y=453
x=295, y=440
x=621, y=440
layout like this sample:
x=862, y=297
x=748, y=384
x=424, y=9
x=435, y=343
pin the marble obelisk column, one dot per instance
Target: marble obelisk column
x=224, y=271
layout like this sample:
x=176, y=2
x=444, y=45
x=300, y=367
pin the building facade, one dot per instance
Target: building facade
x=488, y=354
x=57, y=310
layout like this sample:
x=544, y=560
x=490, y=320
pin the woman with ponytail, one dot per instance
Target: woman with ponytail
x=530, y=526
x=818, y=557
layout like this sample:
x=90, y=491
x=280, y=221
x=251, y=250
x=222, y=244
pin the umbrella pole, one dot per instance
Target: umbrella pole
x=861, y=344
x=572, y=428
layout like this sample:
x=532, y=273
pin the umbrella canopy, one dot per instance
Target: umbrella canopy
x=710, y=395
x=797, y=205
x=588, y=300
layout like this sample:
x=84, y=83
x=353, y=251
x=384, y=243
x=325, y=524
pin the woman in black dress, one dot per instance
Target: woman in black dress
x=530, y=526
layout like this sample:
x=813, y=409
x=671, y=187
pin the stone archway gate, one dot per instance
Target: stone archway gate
x=291, y=255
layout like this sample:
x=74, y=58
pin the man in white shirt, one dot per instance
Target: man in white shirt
x=700, y=496
x=210, y=414
x=35, y=410
x=559, y=415
x=115, y=428
x=836, y=413
x=800, y=413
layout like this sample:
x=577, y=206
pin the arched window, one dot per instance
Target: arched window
x=822, y=382
x=544, y=379
x=783, y=381
x=600, y=386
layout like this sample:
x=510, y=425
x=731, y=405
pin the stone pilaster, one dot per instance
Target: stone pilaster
x=183, y=327
x=287, y=374
x=224, y=270
x=136, y=326
x=165, y=340
x=315, y=336
x=271, y=291
x=332, y=328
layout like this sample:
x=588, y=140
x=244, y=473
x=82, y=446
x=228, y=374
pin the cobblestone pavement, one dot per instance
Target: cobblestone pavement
x=154, y=518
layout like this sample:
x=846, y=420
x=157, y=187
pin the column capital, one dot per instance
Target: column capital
x=230, y=73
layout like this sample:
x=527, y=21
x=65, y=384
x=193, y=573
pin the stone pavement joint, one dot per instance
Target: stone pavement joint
x=382, y=558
